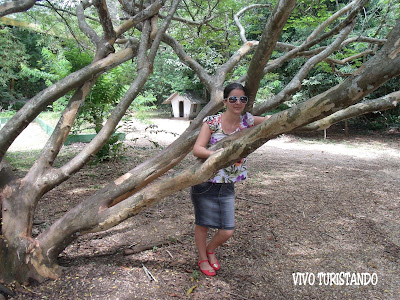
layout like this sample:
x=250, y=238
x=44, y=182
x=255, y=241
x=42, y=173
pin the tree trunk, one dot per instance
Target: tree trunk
x=18, y=260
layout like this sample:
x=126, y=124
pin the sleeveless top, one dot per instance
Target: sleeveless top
x=238, y=171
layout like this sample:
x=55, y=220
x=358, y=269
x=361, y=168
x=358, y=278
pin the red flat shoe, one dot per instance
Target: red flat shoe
x=215, y=265
x=206, y=272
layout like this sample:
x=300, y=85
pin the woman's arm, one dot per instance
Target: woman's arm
x=259, y=120
x=199, y=148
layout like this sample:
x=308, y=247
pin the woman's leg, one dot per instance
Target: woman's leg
x=200, y=237
x=218, y=239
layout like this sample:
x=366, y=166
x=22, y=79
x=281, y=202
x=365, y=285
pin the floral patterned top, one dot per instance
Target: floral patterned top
x=238, y=171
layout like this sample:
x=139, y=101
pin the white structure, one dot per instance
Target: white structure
x=184, y=106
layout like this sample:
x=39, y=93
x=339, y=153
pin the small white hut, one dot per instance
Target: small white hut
x=184, y=106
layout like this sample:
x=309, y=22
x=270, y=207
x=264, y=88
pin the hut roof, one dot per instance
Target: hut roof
x=192, y=97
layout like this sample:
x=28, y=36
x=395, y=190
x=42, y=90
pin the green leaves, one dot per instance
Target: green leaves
x=12, y=54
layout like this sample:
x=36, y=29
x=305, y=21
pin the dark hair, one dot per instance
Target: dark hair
x=233, y=86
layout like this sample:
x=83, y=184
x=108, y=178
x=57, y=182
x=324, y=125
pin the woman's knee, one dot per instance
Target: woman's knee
x=201, y=229
x=227, y=233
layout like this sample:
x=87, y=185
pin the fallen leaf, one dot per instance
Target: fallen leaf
x=189, y=291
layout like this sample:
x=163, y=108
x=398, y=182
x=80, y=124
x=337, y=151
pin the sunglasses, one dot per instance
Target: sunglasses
x=234, y=99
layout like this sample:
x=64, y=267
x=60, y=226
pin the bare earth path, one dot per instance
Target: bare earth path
x=310, y=206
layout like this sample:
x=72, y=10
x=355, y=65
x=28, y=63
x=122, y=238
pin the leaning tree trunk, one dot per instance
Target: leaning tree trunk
x=21, y=256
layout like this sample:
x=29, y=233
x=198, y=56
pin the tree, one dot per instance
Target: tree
x=141, y=30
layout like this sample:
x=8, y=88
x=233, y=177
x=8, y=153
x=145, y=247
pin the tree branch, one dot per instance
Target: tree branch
x=330, y=20
x=187, y=60
x=84, y=27
x=350, y=58
x=237, y=16
x=58, y=9
x=235, y=58
x=295, y=84
x=358, y=4
x=51, y=6
x=271, y=33
x=195, y=23
x=380, y=104
x=12, y=7
x=148, y=12
x=105, y=21
x=161, y=31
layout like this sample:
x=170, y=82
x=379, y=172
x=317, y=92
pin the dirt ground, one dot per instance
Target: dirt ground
x=310, y=206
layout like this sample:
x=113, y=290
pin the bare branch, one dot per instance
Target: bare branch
x=84, y=27
x=186, y=59
x=58, y=137
x=295, y=84
x=105, y=20
x=350, y=58
x=330, y=20
x=235, y=58
x=271, y=33
x=237, y=16
x=11, y=7
x=161, y=31
x=52, y=6
x=128, y=7
x=150, y=11
x=380, y=104
x=364, y=39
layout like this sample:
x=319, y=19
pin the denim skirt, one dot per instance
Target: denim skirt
x=214, y=205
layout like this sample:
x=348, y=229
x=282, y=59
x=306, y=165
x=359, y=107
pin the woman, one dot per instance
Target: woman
x=214, y=200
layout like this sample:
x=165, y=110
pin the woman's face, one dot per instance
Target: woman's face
x=238, y=106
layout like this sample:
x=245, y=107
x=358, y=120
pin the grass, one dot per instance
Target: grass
x=22, y=160
x=50, y=117
x=47, y=116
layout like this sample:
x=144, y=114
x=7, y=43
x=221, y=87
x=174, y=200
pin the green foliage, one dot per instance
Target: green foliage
x=52, y=67
x=23, y=47
x=105, y=94
x=142, y=107
x=102, y=98
x=12, y=53
x=7, y=113
x=270, y=85
x=113, y=149
x=76, y=57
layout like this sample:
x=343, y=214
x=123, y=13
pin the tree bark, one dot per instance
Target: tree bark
x=384, y=103
x=11, y=7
